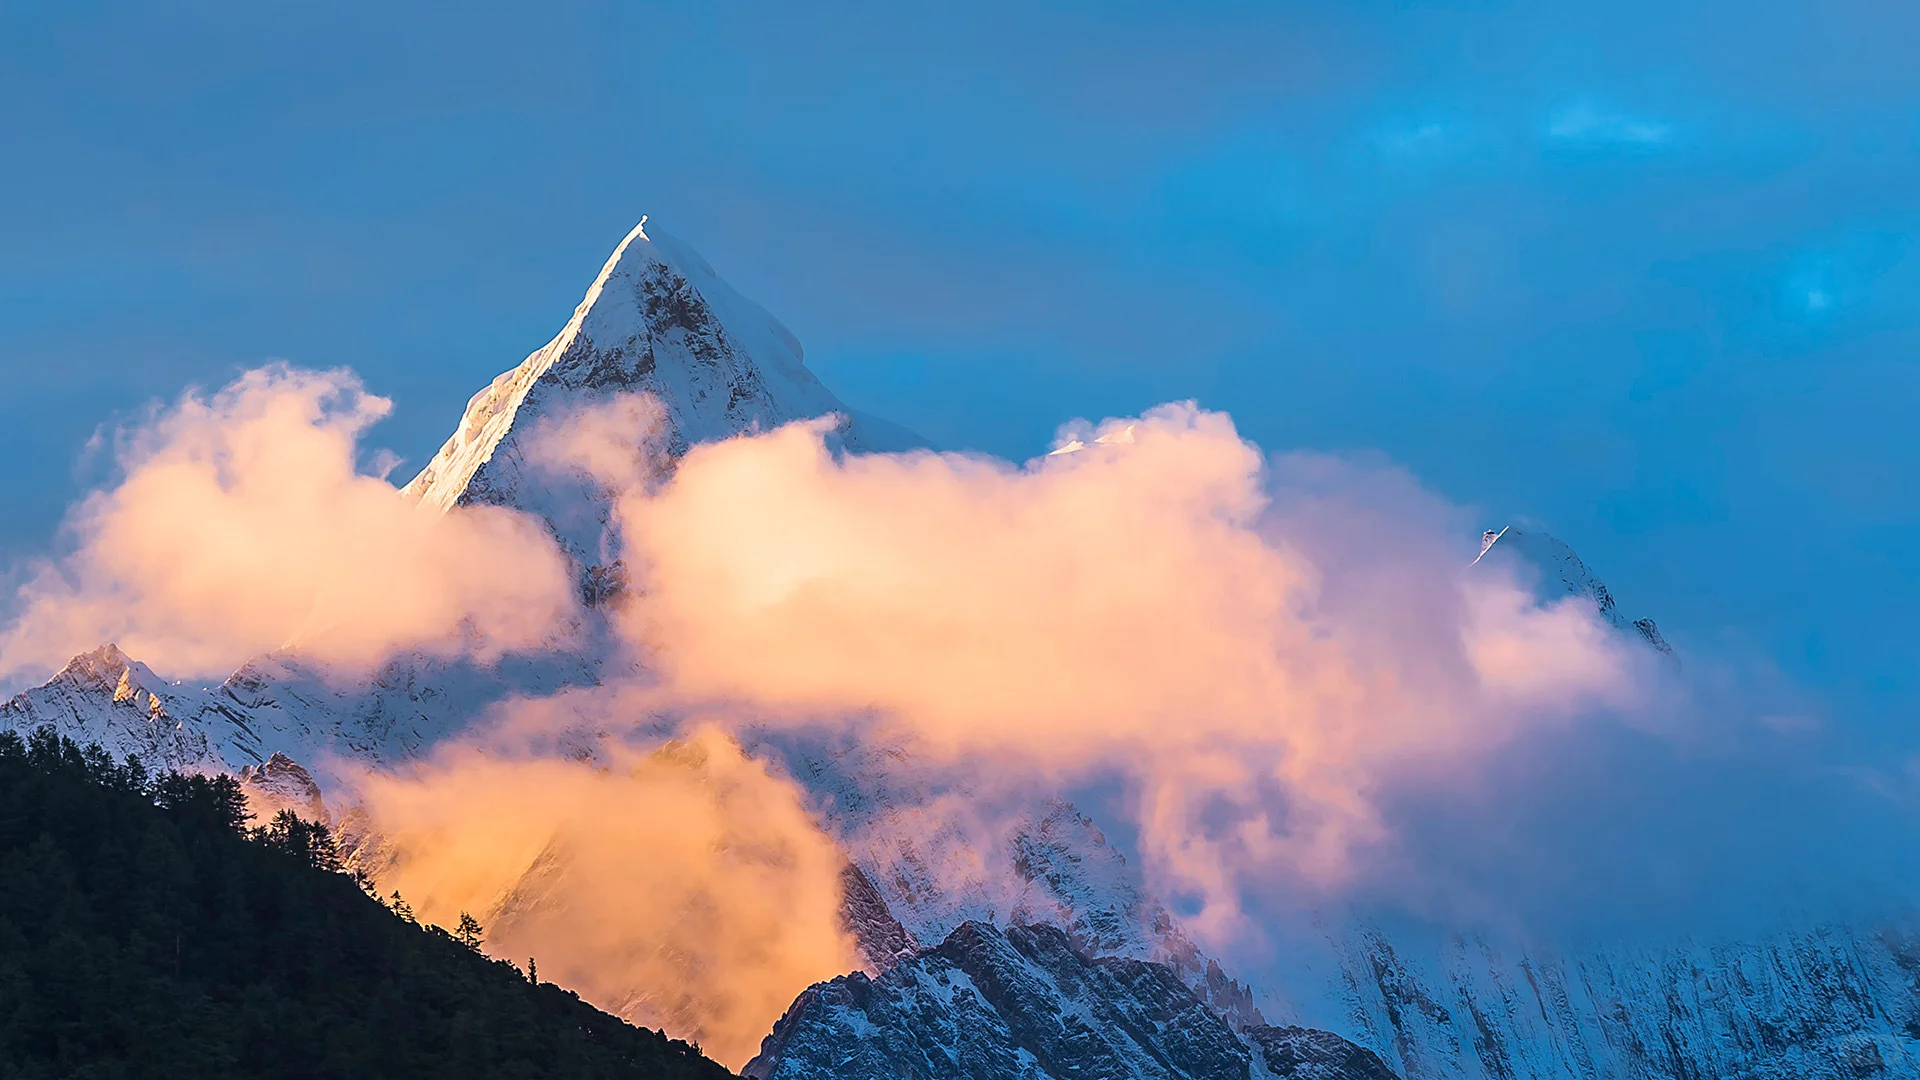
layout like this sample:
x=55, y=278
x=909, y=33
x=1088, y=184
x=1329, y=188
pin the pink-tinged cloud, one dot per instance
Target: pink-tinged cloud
x=242, y=525
x=1153, y=603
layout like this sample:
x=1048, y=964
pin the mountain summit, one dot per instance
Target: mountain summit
x=657, y=320
x=1563, y=573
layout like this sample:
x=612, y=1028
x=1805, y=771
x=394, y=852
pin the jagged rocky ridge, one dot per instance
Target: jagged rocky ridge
x=1829, y=1002
x=1024, y=1002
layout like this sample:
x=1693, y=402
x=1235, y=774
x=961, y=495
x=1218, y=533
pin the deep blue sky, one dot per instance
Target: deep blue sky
x=1642, y=272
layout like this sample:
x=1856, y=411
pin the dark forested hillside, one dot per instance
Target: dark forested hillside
x=144, y=932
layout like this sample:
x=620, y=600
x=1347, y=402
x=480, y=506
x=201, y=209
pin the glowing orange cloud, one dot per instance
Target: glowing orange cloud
x=686, y=889
x=243, y=526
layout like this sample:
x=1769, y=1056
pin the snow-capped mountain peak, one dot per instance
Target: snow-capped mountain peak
x=1565, y=573
x=107, y=697
x=107, y=668
x=656, y=320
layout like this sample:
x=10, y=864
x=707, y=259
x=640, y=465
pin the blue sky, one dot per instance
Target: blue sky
x=1643, y=273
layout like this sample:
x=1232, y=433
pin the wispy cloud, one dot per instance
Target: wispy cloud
x=1411, y=140
x=1586, y=123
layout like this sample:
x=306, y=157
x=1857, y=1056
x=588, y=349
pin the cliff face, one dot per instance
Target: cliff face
x=1820, y=1003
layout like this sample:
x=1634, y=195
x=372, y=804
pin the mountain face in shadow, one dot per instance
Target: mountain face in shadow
x=1026, y=1002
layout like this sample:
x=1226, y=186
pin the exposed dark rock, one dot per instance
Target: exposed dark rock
x=1305, y=1054
x=881, y=939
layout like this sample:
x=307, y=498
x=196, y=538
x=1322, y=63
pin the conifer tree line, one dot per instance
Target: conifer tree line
x=148, y=930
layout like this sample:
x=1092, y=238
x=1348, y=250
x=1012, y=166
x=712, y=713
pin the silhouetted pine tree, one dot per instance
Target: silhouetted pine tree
x=469, y=932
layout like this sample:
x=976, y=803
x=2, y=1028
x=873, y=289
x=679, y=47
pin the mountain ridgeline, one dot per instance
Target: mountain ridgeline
x=145, y=933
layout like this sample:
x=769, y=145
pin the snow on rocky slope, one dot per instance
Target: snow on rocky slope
x=279, y=703
x=107, y=697
x=912, y=830
x=1025, y=1002
x=280, y=783
x=1817, y=1003
x=1811, y=1002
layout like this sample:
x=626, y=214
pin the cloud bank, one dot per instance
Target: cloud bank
x=1258, y=656
x=1145, y=605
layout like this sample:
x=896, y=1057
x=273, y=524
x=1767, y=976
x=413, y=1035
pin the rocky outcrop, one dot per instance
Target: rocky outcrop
x=880, y=938
x=279, y=784
x=1305, y=1054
